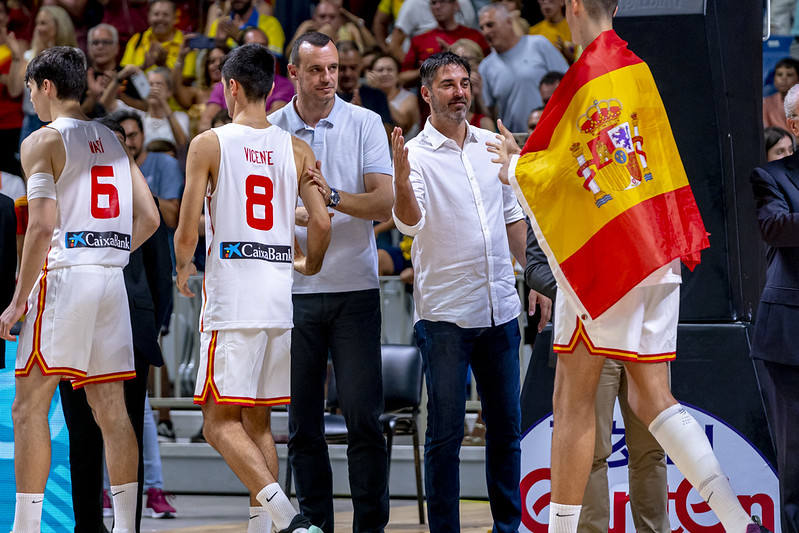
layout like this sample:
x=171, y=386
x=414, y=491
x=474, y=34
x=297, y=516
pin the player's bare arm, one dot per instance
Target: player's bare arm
x=318, y=218
x=406, y=208
x=374, y=204
x=145, y=212
x=202, y=164
x=39, y=153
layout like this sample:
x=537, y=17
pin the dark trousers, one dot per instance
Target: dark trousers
x=493, y=353
x=347, y=327
x=86, y=448
x=779, y=388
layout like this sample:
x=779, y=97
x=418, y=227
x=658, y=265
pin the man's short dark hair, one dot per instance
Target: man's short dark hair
x=121, y=116
x=787, y=62
x=551, y=78
x=346, y=47
x=253, y=67
x=314, y=38
x=64, y=66
x=441, y=59
x=600, y=8
x=112, y=125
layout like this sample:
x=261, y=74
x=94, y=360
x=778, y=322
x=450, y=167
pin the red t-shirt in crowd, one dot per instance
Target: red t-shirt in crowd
x=426, y=44
x=10, y=108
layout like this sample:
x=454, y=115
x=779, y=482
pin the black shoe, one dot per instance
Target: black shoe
x=165, y=431
x=756, y=526
x=301, y=524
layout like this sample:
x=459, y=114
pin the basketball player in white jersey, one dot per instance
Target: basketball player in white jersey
x=249, y=174
x=89, y=207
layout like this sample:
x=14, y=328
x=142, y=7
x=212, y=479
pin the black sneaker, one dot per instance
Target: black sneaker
x=301, y=524
x=756, y=526
x=166, y=432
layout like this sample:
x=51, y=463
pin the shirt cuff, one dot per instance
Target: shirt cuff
x=375, y=169
x=405, y=229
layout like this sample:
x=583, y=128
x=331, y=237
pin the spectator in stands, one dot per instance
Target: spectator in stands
x=520, y=24
x=415, y=17
x=548, y=84
x=387, y=12
x=84, y=14
x=161, y=123
x=161, y=171
x=350, y=88
x=104, y=76
x=554, y=27
x=384, y=75
x=786, y=75
x=210, y=75
x=532, y=120
x=244, y=15
x=53, y=28
x=779, y=143
x=337, y=311
x=473, y=54
x=281, y=93
x=436, y=40
x=8, y=259
x=515, y=64
x=337, y=23
x=10, y=103
x=159, y=45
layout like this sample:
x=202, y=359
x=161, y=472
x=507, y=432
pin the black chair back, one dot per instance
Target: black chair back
x=402, y=377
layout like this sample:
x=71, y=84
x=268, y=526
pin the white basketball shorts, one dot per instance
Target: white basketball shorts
x=78, y=326
x=247, y=367
x=642, y=326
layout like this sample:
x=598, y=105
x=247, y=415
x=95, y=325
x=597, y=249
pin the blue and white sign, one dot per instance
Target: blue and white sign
x=752, y=479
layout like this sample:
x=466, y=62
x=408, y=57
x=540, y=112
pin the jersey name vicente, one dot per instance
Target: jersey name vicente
x=250, y=231
x=94, y=196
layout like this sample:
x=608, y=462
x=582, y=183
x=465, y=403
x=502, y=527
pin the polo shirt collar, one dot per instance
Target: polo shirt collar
x=437, y=139
x=297, y=124
x=177, y=37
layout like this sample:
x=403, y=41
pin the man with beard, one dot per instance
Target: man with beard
x=337, y=311
x=465, y=228
x=244, y=15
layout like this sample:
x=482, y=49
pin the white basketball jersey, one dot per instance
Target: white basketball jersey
x=249, y=231
x=94, y=196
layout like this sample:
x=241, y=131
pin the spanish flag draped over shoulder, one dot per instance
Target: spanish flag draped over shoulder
x=602, y=180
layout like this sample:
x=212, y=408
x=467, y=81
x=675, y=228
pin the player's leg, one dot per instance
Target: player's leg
x=683, y=440
x=107, y=401
x=576, y=378
x=31, y=446
x=256, y=422
x=495, y=363
x=646, y=468
x=595, y=513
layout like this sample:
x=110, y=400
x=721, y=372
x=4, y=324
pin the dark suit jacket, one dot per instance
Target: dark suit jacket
x=537, y=273
x=776, y=190
x=8, y=258
x=148, y=280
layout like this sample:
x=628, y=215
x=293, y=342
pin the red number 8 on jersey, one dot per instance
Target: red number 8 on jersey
x=259, y=198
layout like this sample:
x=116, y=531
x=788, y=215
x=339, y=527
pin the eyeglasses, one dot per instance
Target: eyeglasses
x=103, y=42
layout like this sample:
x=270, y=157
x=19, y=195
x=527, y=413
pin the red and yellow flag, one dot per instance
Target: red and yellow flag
x=603, y=182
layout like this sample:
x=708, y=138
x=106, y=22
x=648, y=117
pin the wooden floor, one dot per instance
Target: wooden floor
x=475, y=518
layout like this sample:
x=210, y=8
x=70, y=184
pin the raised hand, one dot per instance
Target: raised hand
x=402, y=168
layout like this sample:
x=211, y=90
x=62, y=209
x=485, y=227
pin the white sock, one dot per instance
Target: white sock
x=124, y=500
x=686, y=443
x=563, y=518
x=277, y=505
x=28, y=513
x=260, y=521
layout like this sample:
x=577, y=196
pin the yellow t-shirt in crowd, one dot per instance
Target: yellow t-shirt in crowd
x=390, y=7
x=267, y=24
x=552, y=31
x=139, y=44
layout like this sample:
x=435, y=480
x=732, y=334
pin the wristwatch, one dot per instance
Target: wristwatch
x=335, y=198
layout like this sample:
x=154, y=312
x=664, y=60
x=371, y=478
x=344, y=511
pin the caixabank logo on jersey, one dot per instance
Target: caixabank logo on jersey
x=98, y=239
x=751, y=477
x=255, y=250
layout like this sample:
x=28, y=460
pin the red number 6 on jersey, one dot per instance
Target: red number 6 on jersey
x=258, y=198
x=104, y=190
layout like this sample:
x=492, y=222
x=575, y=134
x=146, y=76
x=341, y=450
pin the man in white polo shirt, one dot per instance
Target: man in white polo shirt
x=337, y=311
x=465, y=228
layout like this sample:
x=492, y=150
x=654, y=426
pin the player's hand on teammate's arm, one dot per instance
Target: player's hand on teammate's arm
x=185, y=271
x=535, y=298
x=10, y=316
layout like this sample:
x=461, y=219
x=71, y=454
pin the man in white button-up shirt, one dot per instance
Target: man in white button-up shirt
x=465, y=225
